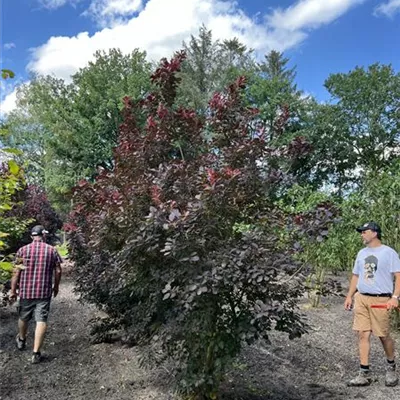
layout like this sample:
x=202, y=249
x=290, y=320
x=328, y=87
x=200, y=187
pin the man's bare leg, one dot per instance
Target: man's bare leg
x=22, y=329
x=363, y=378
x=364, y=346
x=391, y=378
x=40, y=331
x=388, y=346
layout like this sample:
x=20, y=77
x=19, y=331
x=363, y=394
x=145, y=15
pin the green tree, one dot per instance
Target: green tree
x=360, y=130
x=68, y=130
x=210, y=65
x=27, y=134
x=275, y=66
x=378, y=199
x=11, y=181
x=284, y=111
x=273, y=91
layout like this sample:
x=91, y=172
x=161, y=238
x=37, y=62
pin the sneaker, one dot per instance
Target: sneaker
x=21, y=343
x=362, y=379
x=391, y=378
x=36, y=357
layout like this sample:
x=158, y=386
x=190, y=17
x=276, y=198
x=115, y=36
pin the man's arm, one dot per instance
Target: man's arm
x=18, y=267
x=14, y=283
x=352, y=290
x=396, y=291
x=395, y=267
x=58, y=272
x=394, y=302
x=57, y=279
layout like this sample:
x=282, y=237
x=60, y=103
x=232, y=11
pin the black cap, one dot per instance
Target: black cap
x=38, y=230
x=372, y=226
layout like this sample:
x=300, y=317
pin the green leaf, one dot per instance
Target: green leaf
x=7, y=73
x=6, y=266
x=17, y=152
x=14, y=167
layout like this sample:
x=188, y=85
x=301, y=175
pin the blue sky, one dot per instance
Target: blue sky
x=319, y=36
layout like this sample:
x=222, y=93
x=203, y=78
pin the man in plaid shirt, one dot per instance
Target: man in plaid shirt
x=35, y=279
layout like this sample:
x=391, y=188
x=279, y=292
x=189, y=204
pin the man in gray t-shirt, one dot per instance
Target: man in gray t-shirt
x=375, y=268
x=375, y=295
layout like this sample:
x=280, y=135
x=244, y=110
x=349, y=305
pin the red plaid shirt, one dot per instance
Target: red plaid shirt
x=36, y=278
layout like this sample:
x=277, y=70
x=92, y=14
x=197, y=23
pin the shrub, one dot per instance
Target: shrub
x=179, y=243
x=31, y=205
x=11, y=182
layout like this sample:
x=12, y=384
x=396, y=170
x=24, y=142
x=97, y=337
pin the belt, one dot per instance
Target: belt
x=377, y=295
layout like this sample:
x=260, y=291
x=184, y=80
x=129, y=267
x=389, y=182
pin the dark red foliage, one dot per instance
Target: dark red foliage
x=32, y=203
x=179, y=243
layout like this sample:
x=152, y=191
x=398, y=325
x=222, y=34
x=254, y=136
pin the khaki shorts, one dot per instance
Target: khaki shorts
x=366, y=318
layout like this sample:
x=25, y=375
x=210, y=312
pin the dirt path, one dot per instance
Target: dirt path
x=313, y=367
x=72, y=368
x=317, y=366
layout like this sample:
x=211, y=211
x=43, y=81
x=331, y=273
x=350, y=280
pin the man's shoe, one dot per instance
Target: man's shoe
x=391, y=378
x=362, y=379
x=21, y=343
x=36, y=357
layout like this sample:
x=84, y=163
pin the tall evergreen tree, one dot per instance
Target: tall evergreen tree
x=284, y=110
x=275, y=66
x=211, y=65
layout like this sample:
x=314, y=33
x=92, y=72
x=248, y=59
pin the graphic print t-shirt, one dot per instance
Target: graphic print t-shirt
x=375, y=268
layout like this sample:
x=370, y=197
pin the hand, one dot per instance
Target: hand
x=348, y=303
x=13, y=297
x=55, y=291
x=392, y=304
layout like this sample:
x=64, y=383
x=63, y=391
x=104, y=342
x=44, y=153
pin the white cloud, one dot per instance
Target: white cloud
x=112, y=12
x=281, y=29
x=161, y=26
x=9, y=46
x=104, y=12
x=9, y=103
x=309, y=14
x=388, y=9
x=8, y=98
x=54, y=4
